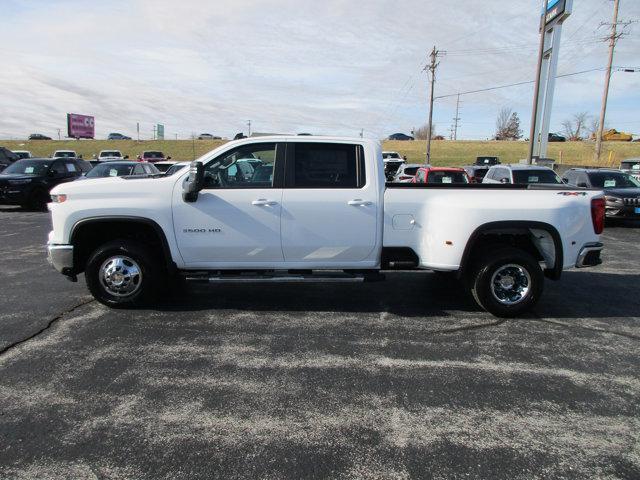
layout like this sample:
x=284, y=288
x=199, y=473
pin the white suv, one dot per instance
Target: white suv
x=521, y=174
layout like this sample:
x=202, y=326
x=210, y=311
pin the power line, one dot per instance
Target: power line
x=514, y=84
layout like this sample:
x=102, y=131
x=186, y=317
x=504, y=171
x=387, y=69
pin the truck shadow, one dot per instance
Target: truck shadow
x=579, y=294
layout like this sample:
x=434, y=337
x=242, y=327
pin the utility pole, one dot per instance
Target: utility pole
x=249, y=125
x=154, y=132
x=431, y=69
x=456, y=119
x=613, y=38
x=58, y=134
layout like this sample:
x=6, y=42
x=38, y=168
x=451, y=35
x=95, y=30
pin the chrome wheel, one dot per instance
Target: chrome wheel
x=121, y=276
x=510, y=284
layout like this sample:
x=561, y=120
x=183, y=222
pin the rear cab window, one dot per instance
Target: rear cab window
x=325, y=165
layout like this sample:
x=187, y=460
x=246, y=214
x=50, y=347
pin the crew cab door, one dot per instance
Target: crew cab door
x=330, y=206
x=235, y=222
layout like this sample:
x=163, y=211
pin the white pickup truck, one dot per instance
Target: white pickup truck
x=296, y=209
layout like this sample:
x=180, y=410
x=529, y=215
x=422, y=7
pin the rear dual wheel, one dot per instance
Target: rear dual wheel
x=507, y=282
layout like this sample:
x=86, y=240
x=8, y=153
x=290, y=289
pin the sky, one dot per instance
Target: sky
x=332, y=67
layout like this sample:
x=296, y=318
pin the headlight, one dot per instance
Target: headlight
x=59, y=198
x=22, y=181
x=616, y=200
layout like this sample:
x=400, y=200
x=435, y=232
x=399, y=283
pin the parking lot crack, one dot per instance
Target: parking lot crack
x=591, y=329
x=49, y=324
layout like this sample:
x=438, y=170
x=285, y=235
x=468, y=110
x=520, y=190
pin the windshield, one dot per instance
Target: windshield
x=153, y=155
x=635, y=165
x=447, y=177
x=535, y=176
x=22, y=154
x=410, y=171
x=174, y=168
x=27, y=167
x=110, y=153
x=390, y=155
x=110, y=170
x=61, y=154
x=612, y=180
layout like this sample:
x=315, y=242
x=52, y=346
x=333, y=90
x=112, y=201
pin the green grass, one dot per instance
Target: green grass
x=442, y=152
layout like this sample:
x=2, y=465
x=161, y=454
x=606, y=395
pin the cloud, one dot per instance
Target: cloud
x=324, y=67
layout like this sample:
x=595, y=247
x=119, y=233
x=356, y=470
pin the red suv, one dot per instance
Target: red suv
x=152, y=156
x=440, y=175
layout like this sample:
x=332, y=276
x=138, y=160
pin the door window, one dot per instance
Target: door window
x=58, y=168
x=248, y=166
x=325, y=165
x=138, y=170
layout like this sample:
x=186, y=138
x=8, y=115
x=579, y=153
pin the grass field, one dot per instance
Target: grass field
x=443, y=152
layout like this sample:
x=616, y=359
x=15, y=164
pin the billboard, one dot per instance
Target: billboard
x=160, y=131
x=80, y=126
x=555, y=9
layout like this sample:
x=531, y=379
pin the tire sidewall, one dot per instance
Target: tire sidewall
x=148, y=266
x=481, y=289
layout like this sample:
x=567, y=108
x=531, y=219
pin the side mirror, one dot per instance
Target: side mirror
x=194, y=182
x=168, y=158
x=126, y=157
x=80, y=156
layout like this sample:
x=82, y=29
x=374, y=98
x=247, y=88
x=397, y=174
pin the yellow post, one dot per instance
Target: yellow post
x=560, y=157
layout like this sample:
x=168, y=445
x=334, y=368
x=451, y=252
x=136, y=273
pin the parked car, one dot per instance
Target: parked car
x=631, y=166
x=120, y=169
x=391, y=162
x=23, y=154
x=521, y=174
x=476, y=172
x=329, y=217
x=621, y=190
x=152, y=156
x=406, y=172
x=400, y=136
x=27, y=182
x=65, y=154
x=7, y=157
x=208, y=136
x=38, y=136
x=117, y=136
x=440, y=175
x=555, y=137
x=176, y=167
x=110, y=156
x=487, y=161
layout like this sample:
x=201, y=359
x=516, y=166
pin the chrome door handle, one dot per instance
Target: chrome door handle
x=263, y=201
x=359, y=203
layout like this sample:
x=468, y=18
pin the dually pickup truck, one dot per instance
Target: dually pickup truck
x=317, y=209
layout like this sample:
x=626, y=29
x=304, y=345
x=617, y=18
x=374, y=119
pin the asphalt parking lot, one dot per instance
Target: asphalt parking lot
x=398, y=379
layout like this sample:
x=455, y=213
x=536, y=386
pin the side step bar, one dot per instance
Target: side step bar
x=284, y=277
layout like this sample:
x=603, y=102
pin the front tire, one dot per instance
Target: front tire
x=507, y=282
x=122, y=273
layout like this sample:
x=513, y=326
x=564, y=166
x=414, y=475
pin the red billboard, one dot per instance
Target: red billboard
x=80, y=126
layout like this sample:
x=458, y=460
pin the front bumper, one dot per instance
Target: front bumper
x=61, y=257
x=589, y=255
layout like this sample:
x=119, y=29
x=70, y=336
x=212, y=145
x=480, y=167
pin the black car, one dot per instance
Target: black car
x=121, y=169
x=38, y=136
x=7, y=157
x=28, y=182
x=621, y=190
x=554, y=137
x=488, y=161
x=400, y=136
x=117, y=136
x=476, y=172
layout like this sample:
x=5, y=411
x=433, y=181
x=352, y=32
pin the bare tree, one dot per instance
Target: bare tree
x=574, y=127
x=508, y=125
x=422, y=132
